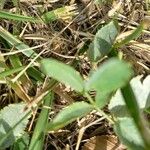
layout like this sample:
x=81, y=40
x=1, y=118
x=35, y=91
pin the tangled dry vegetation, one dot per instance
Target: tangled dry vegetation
x=63, y=39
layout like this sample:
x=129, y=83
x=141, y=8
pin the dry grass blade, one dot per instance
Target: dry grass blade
x=19, y=91
x=103, y=143
x=35, y=1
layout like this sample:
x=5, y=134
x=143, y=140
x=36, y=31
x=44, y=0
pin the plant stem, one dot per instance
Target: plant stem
x=97, y=108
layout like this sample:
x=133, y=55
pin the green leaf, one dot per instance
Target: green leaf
x=129, y=134
x=49, y=16
x=110, y=76
x=8, y=15
x=141, y=91
x=135, y=113
x=117, y=105
x=103, y=41
x=11, y=123
x=102, y=99
x=63, y=73
x=69, y=114
x=22, y=143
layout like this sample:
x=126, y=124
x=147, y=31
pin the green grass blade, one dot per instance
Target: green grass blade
x=132, y=36
x=17, y=17
x=35, y=74
x=24, y=79
x=13, y=41
x=16, y=63
x=10, y=72
x=39, y=131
